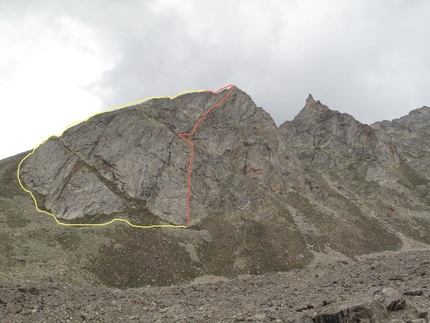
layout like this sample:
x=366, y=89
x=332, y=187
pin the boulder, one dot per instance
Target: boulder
x=352, y=312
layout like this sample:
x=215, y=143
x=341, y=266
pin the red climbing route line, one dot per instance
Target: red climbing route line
x=183, y=135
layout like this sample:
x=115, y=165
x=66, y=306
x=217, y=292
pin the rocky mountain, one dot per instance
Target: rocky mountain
x=382, y=168
x=256, y=198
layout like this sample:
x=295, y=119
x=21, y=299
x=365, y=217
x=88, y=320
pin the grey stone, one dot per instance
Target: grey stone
x=418, y=292
x=207, y=239
x=363, y=311
x=19, y=259
x=392, y=299
x=13, y=308
x=423, y=314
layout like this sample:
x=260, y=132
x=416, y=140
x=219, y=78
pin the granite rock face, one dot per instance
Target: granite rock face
x=98, y=166
x=68, y=185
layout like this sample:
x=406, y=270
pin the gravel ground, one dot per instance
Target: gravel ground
x=280, y=297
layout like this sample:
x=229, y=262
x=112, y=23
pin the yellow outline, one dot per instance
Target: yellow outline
x=116, y=219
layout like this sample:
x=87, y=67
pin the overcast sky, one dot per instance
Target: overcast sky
x=61, y=61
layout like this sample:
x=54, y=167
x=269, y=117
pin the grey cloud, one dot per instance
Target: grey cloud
x=367, y=58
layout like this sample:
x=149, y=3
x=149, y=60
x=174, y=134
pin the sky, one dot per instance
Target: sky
x=62, y=61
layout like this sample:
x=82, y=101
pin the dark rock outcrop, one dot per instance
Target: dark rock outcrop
x=364, y=311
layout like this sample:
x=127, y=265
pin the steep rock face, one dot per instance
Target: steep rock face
x=409, y=134
x=411, y=190
x=66, y=185
x=136, y=153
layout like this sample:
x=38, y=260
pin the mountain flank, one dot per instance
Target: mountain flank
x=263, y=198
